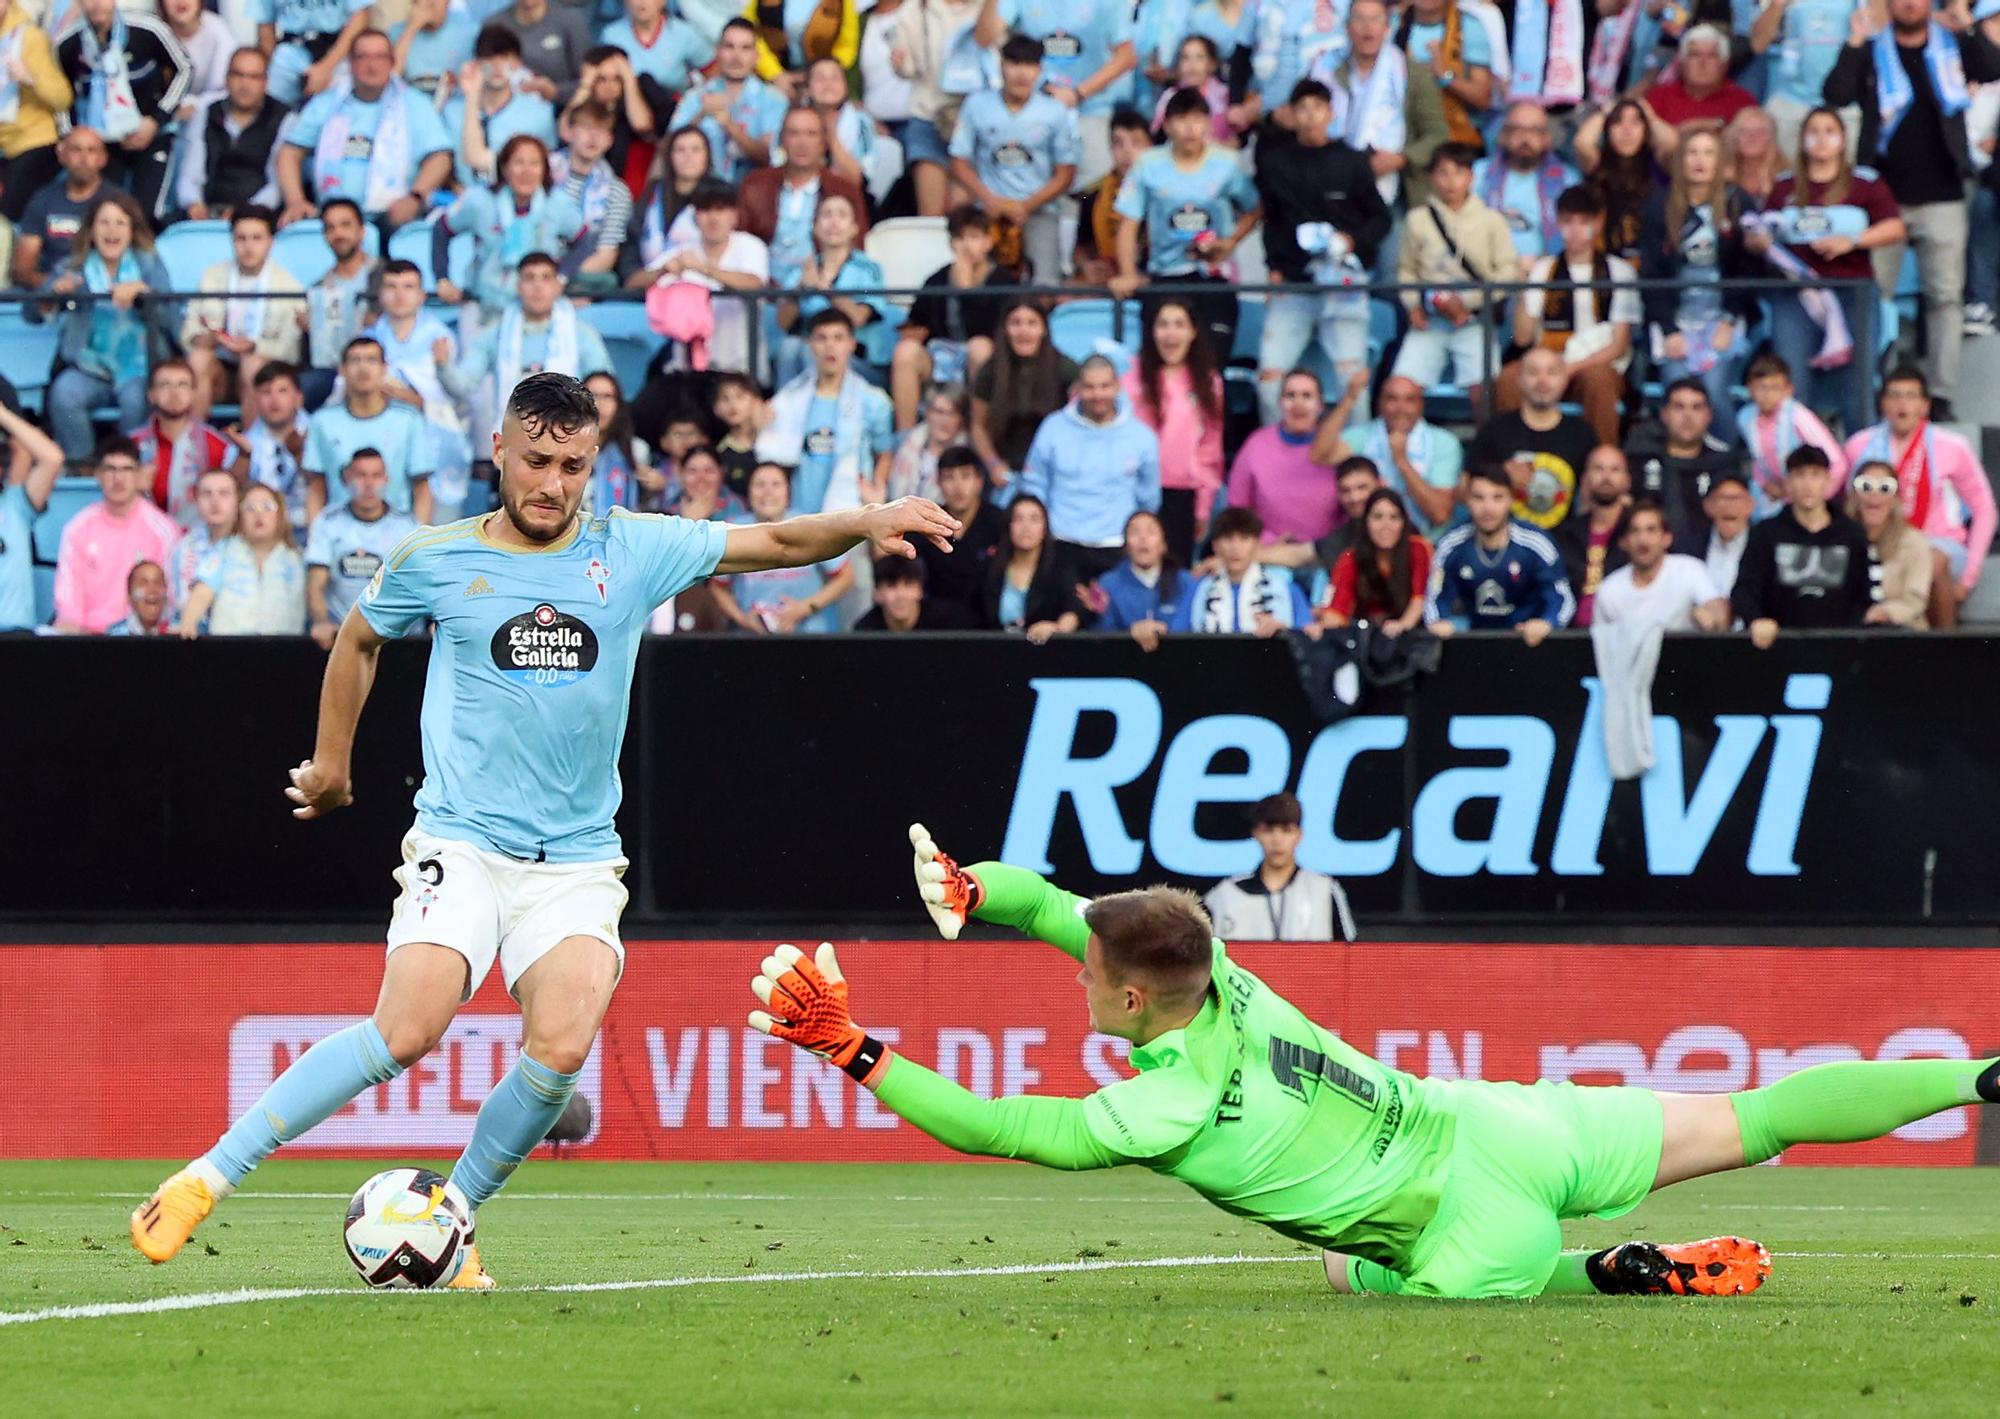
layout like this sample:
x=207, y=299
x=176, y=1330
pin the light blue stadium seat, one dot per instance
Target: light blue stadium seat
x=1249, y=330
x=69, y=497
x=1077, y=326
x=878, y=337
x=629, y=358
x=412, y=243
x=27, y=353
x=187, y=249
x=620, y=320
x=45, y=595
x=302, y=250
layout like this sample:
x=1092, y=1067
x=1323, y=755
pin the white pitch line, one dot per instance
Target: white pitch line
x=869, y=1197
x=205, y=1300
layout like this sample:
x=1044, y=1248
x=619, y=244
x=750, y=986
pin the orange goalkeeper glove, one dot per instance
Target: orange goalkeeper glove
x=950, y=894
x=808, y=1008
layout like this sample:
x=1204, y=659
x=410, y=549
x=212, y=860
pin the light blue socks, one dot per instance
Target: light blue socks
x=317, y=1085
x=516, y=1116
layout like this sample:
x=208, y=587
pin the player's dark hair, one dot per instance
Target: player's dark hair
x=1183, y=102
x=254, y=214
x=1491, y=475
x=359, y=454
x=1688, y=384
x=557, y=403
x=1021, y=49
x=710, y=193
x=273, y=371
x=602, y=53
x=1907, y=374
x=1581, y=200
x=113, y=446
x=496, y=42
x=1463, y=154
x=1765, y=364
x=894, y=571
x=965, y=217
x=1311, y=89
x=1356, y=463
x=1642, y=503
x=959, y=456
x=739, y=23
x=1131, y=120
x=733, y=379
x=1159, y=937
x=1237, y=522
x=1382, y=575
x=1276, y=810
x=357, y=342
x=396, y=266
x=832, y=315
x=1806, y=456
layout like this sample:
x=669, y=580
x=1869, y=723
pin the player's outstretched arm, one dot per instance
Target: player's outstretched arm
x=995, y=892
x=806, y=1004
x=802, y=541
x=324, y=782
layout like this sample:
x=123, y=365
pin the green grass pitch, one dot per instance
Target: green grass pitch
x=1884, y=1300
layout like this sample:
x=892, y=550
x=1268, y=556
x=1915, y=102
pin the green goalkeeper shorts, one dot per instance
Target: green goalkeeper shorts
x=1524, y=1156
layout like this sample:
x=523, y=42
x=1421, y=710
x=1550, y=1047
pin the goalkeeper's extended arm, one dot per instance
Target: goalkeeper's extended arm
x=995, y=892
x=808, y=1007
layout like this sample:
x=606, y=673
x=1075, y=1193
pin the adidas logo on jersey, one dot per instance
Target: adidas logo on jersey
x=480, y=587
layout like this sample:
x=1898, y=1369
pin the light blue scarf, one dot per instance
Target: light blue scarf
x=783, y=440
x=116, y=350
x=1893, y=94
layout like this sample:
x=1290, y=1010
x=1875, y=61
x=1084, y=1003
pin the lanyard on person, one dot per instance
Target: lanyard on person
x=1278, y=911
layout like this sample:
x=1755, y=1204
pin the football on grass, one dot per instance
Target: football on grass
x=403, y=1230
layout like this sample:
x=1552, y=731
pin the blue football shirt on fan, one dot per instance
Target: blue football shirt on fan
x=531, y=671
x=1178, y=205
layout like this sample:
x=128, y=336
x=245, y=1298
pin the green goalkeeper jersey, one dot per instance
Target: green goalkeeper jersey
x=1251, y=1104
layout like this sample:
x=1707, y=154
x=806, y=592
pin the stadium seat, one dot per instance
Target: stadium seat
x=1249, y=331
x=412, y=243
x=629, y=359
x=621, y=320
x=45, y=595
x=301, y=249
x=908, y=249
x=1077, y=326
x=187, y=249
x=69, y=497
x=27, y=354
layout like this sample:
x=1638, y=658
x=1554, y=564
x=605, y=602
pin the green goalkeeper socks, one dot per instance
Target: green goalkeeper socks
x=1853, y=1100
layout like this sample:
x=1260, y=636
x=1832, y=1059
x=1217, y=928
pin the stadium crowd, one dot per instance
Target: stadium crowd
x=473, y=180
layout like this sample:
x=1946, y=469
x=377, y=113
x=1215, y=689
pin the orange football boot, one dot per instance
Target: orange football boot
x=162, y=1226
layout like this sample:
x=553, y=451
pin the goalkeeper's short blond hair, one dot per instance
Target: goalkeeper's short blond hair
x=1160, y=936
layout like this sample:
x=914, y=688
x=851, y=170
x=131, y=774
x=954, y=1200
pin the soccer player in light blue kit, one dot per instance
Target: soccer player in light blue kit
x=538, y=609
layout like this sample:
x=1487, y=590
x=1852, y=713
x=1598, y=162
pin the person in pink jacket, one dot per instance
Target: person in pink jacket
x=1175, y=389
x=102, y=543
x=1946, y=494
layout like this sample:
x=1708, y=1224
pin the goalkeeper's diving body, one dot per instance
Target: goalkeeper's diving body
x=1410, y=1185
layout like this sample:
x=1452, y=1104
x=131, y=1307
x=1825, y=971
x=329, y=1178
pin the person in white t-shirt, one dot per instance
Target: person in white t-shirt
x=723, y=259
x=1658, y=587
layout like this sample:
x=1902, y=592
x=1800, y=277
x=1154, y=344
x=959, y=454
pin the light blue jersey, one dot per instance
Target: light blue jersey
x=352, y=551
x=531, y=671
x=436, y=53
x=1077, y=38
x=502, y=234
x=1177, y=205
x=17, y=559
x=529, y=114
x=1808, y=45
x=426, y=135
x=398, y=433
x=1015, y=152
x=302, y=18
x=670, y=61
x=763, y=594
x=1472, y=40
x=758, y=109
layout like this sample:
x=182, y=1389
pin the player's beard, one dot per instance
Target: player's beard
x=515, y=507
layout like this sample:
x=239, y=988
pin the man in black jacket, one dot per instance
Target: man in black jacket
x=1677, y=457
x=229, y=149
x=1913, y=133
x=1806, y=567
x=1320, y=194
x=130, y=75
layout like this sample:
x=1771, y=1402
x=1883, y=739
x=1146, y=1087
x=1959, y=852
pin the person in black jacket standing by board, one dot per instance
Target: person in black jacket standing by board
x=130, y=75
x=1806, y=567
x=1323, y=218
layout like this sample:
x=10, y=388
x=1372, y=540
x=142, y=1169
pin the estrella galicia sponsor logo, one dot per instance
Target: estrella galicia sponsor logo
x=545, y=647
x=1515, y=796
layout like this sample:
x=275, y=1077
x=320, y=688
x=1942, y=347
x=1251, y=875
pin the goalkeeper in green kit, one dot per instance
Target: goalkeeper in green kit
x=1410, y=1185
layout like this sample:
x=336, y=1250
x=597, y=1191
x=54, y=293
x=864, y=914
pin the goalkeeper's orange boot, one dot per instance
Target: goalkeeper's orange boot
x=1714, y=1266
x=162, y=1226
x=471, y=1276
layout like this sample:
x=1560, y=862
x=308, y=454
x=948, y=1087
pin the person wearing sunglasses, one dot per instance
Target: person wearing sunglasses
x=1904, y=565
